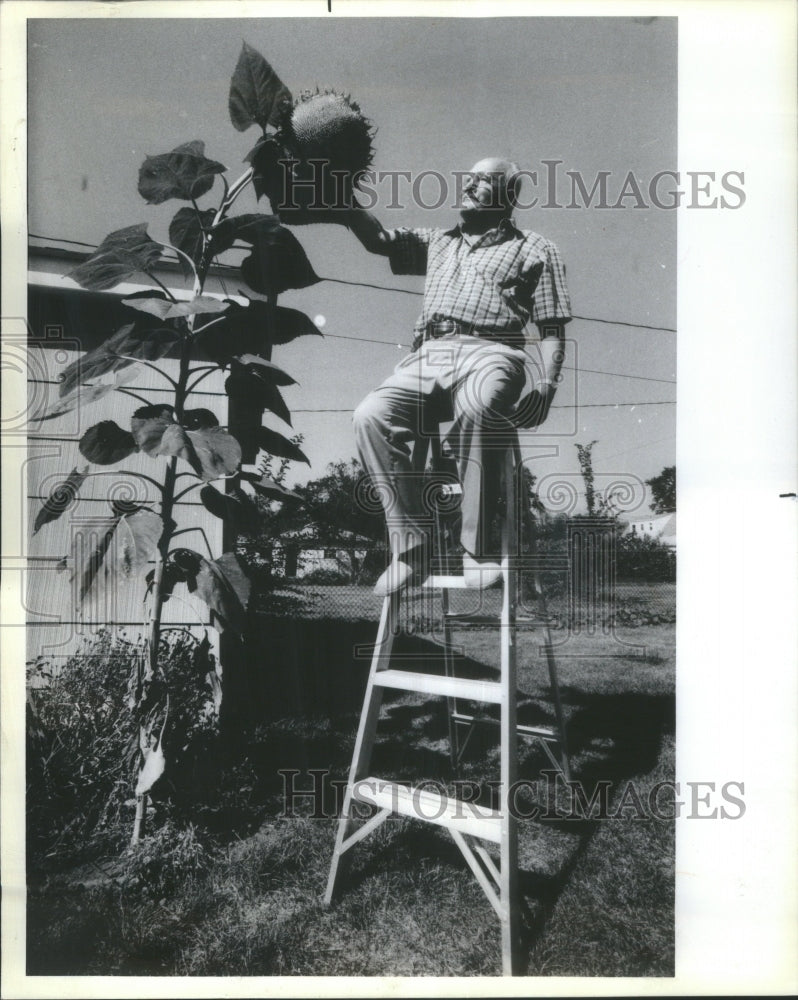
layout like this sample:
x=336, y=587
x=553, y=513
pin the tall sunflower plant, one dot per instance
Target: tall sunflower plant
x=321, y=135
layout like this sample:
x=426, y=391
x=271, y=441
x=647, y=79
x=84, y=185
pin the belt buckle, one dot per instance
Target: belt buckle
x=442, y=327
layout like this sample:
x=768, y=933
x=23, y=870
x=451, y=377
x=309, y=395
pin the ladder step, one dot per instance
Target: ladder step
x=431, y=807
x=540, y=732
x=445, y=582
x=448, y=687
x=465, y=620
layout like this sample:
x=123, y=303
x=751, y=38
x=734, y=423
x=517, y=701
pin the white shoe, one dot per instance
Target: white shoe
x=480, y=574
x=402, y=572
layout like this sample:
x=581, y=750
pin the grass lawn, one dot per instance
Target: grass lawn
x=239, y=892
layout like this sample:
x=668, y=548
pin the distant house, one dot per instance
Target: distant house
x=659, y=526
x=299, y=553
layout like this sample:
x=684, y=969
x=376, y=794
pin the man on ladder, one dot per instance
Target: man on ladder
x=485, y=279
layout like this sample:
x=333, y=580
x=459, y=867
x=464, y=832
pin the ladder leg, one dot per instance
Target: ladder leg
x=558, y=712
x=554, y=682
x=551, y=663
x=451, y=703
x=508, y=851
x=440, y=549
x=364, y=741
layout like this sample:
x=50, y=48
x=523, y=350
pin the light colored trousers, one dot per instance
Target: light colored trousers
x=476, y=383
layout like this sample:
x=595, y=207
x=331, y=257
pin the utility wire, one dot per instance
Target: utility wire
x=391, y=343
x=209, y=392
x=592, y=371
x=639, y=378
x=564, y=406
x=644, y=444
x=391, y=288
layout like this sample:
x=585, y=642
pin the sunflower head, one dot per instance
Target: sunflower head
x=330, y=127
x=328, y=141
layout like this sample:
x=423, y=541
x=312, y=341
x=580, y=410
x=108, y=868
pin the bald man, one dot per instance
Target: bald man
x=485, y=280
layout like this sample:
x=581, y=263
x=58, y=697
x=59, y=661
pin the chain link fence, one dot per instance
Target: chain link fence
x=588, y=577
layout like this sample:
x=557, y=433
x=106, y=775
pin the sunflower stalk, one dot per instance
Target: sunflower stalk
x=168, y=497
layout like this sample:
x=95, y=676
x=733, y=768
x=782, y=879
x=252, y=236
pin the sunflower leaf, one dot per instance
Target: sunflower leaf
x=185, y=233
x=265, y=370
x=268, y=487
x=118, y=351
x=106, y=443
x=268, y=172
x=184, y=173
x=247, y=228
x=277, y=262
x=217, y=452
x=164, y=309
x=253, y=391
x=257, y=95
x=117, y=548
x=222, y=584
x=235, y=508
x=121, y=254
x=199, y=419
x=254, y=329
x=85, y=394
x=280, y=446
x=61, y=498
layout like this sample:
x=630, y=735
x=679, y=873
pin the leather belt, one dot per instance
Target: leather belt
x=446, y=326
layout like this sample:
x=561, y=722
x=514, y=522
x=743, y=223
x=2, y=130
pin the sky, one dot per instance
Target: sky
x=597, y=94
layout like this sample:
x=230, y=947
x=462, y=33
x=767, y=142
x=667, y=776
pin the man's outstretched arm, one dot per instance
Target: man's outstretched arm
x=369, y=230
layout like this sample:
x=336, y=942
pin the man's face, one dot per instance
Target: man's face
x=484, y=188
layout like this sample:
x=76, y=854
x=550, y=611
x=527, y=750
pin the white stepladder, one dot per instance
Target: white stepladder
x=469, y=823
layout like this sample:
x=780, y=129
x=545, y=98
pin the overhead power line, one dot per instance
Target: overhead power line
x=636, y=447
x=393, y=288
x=564, y=406
x=592, y=371
x=587, y=319
x=639, y=378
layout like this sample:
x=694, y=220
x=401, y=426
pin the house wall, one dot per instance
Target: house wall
x=659, y=526
x=321, y=559
x=63, y=323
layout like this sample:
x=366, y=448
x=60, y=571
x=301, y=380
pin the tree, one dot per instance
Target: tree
x=236, y=338
x=338, y=512
x=663, y=491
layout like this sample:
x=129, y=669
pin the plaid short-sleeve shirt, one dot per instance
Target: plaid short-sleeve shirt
x=494, y=283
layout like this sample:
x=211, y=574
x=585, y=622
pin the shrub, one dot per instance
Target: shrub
x=83, y=738
x=326, y=576
x=81, y=743
x=640, y=557
x=169, y=860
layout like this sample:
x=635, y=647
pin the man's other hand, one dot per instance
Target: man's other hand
x=533, y=408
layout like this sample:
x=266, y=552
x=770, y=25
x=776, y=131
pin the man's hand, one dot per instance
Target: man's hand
x=368, y=229
x=533, y=408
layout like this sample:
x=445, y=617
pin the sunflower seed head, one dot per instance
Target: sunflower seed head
x=329, y=126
